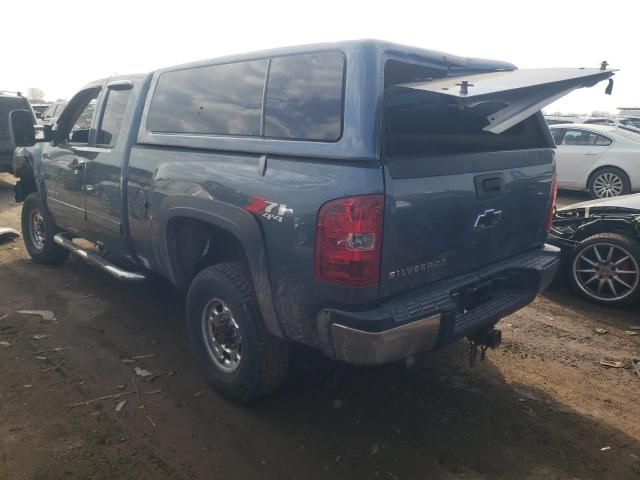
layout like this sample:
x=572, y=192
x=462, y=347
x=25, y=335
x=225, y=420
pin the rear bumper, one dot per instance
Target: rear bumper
x=437, y=314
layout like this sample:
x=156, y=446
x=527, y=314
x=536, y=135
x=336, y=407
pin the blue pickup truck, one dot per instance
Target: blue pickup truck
x=364, y=198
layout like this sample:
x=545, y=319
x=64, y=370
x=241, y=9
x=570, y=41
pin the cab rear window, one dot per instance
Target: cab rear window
x=423, y=123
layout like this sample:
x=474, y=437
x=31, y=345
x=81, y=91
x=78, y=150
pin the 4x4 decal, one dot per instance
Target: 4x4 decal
x=268, y=209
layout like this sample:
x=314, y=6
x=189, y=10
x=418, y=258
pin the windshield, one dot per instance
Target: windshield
x=7, y=104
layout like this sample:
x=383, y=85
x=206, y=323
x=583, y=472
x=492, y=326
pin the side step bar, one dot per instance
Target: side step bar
x=98, y=261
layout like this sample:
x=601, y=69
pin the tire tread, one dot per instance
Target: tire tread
x=272, y=353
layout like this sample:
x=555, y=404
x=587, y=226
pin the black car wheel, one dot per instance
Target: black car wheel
x=38, y=230
x=605, y=268
x=609, y=182
x=228, y=336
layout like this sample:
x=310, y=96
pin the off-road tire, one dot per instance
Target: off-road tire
x=622, y=241
x=264, y=358
x=47, y=252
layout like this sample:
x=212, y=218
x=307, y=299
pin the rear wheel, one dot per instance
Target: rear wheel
x=609, y=182
x=605, y=268
x=228, y=336
x=38, y=230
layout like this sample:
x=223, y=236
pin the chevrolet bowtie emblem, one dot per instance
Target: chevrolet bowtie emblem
x=487, y=219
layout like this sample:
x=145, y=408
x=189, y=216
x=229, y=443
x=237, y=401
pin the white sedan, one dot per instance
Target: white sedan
x=604, y=160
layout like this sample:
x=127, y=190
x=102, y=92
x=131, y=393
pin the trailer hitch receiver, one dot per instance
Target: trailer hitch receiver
x=485, y=338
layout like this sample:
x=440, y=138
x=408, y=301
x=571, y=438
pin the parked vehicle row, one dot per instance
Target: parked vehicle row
x=265, y=186
x=620, y=120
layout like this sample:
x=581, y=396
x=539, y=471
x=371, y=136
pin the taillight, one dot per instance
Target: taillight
x=552, y=203
x=349, y=240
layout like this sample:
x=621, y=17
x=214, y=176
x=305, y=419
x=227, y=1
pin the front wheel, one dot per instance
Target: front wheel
x=38, y=230
x=239, y=357
x=605, y=268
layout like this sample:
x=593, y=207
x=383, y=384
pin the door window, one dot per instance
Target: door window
x=111, y=122
x=579, y=137
x=80, y=121
x=602, y=140
x=584, y=138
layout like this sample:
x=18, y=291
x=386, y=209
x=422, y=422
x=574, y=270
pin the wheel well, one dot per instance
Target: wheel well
x=194, y=245
x=26, y=183
x=603, y=167
x=610, y=226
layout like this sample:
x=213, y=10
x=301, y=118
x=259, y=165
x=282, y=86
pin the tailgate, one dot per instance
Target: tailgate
x=469, y=167
x=442, y=224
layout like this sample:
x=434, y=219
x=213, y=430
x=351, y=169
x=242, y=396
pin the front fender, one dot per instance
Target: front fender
x=27, y=167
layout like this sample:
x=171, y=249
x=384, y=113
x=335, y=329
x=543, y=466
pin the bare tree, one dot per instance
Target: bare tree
x=599, y=113
x=35, y=94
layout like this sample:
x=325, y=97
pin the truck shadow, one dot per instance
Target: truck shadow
x=438, y=419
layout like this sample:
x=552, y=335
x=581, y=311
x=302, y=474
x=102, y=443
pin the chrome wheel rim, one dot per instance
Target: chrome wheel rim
x=37, y=229
x=606, y=272
x=221, y=335
x=607, y=185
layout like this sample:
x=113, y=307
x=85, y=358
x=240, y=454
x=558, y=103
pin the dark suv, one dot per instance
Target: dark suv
x=9, y=101
x=367, y=199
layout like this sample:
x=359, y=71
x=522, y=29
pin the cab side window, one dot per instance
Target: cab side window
x=111, y=122
x=80, y=120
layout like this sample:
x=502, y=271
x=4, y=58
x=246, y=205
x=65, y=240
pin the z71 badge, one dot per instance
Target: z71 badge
x=430, y=267
x=267, y=209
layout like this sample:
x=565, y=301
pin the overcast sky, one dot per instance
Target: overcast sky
x=59, y=45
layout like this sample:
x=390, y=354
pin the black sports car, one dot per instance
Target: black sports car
x=600, y=241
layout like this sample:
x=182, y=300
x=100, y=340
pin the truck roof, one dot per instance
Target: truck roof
x=411, y=54
x=414, y=53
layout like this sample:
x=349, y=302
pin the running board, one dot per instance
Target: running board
x=98, y=261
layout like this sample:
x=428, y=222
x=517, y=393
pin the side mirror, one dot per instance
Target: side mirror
x=22, y=130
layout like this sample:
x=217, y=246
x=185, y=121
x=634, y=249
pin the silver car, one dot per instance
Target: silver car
x=602, y=159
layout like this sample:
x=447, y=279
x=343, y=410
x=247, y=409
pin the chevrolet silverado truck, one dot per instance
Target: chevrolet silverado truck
x=367, y=199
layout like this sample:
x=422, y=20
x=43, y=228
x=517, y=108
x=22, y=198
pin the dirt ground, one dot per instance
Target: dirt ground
x=540, y=407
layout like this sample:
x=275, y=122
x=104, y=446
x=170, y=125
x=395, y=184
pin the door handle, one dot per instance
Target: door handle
x=591, y=153
x=76, y=164
x=489, y=186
